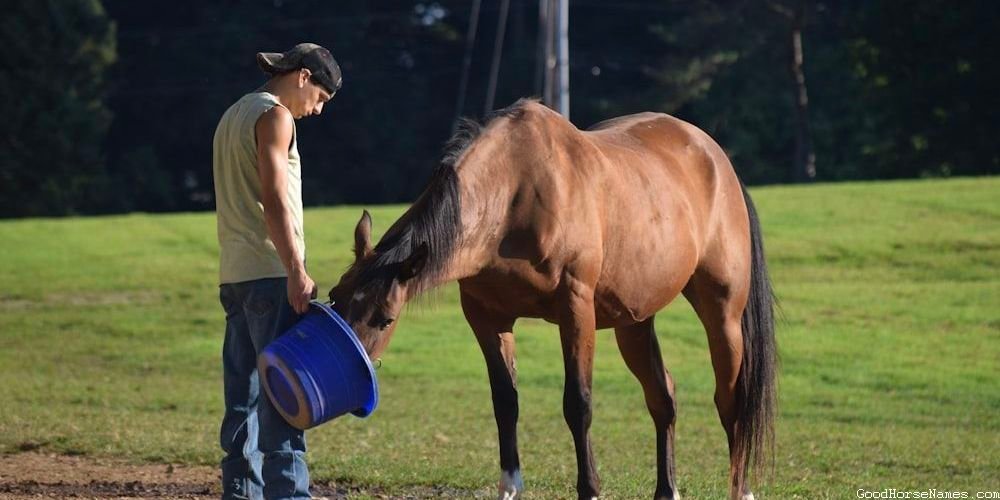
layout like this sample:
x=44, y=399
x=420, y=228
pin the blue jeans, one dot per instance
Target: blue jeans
x=265, y=456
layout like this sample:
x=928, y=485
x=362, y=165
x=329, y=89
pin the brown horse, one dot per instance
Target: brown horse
x=586, y=229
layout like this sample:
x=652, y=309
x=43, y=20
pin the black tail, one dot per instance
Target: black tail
x=756, y=386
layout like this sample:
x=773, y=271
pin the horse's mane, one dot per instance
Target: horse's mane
x=468, y=130
x=435, y=218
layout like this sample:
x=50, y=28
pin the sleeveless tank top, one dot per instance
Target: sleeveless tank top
x=246, y=251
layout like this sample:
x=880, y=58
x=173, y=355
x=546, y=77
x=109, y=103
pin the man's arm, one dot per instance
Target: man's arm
x=274, y=135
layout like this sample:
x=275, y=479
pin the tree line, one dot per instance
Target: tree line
x=111, y=106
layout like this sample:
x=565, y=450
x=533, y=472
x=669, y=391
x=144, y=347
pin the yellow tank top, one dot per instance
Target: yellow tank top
x=246, y=251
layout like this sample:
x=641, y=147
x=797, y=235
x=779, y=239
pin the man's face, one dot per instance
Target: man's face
x=311, y=97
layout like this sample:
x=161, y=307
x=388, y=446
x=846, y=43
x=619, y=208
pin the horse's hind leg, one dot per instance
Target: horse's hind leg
x=641, y=352
x=493, y=331
x=719, y=303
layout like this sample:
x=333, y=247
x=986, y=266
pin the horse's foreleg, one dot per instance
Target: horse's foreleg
x=576, y=330
x=641, y=353
x=497, y=343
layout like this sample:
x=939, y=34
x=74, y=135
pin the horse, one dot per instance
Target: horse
x=586, y=229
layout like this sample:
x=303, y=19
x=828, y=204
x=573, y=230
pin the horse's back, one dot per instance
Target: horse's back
x=674, y=197
x=630, y=206
x=674, y=143
x=687, y=162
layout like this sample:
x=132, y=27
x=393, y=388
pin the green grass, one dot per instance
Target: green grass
x=110, y=332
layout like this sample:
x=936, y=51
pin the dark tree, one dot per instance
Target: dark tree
x=113, y=120
x=53, y=76
x=794, y=15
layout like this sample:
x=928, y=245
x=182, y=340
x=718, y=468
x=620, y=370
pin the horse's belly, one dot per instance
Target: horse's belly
x=634, y=285
x=518, y=294
x=614, y=308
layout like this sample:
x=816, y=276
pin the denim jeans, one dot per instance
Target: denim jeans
x=265, y=456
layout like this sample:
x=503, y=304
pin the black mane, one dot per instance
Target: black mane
x=434, y=219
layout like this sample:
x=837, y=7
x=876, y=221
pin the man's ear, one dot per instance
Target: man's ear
x=304, y=74
x=363, y=237
x=414, y=264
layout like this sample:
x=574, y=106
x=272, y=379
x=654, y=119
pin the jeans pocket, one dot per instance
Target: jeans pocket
x=263, y=298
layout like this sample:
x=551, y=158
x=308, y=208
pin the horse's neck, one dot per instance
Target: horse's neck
x=484, y=203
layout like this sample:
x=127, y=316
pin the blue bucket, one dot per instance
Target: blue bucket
x=318, y=370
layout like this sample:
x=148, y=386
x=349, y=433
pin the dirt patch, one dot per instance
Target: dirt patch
x=33, y=475
x=80, y=299
x=42, y=475
x=14, y=304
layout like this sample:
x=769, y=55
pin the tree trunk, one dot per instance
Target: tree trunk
x=805, y=157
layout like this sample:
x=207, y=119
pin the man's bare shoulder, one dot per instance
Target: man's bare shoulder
x=277, y=116
x=275, y=126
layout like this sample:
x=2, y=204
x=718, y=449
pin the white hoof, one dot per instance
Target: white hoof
x=511, y=485
x=748, y=496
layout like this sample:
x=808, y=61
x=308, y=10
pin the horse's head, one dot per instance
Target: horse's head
x=371, y=294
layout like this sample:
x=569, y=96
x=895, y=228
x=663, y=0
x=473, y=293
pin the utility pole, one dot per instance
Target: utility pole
x=542, y=51
x=563, y=60
x=553, y=40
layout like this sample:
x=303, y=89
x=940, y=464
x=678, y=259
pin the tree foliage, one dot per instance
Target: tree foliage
x=53, y=77
x=895, y=89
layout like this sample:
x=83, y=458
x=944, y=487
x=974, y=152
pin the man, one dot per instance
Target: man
x=264, y=284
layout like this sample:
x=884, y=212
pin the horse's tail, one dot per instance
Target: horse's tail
x=756, y=391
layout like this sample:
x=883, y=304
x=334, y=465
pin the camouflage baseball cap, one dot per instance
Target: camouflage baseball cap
x=319, y=61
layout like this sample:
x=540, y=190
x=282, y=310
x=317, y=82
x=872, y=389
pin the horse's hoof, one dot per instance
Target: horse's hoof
x=747, y=496
x=511, y=485
x=509, y=494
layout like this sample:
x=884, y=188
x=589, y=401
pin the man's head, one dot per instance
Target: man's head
x=307, y=76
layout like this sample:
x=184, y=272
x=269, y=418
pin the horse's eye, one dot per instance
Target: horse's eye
x=385, y=324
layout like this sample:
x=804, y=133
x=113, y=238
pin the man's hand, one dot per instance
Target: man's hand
x=301, y=289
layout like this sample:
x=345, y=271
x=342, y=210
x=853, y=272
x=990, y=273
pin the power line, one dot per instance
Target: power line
x=497, y=54
x=470, y=41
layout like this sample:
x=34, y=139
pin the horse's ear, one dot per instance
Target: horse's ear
x=414, y=264
x=363, y=236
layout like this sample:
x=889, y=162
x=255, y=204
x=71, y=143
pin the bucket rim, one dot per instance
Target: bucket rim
x=372, y=401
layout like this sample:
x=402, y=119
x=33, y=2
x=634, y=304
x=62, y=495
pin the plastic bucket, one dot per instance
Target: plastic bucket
x=318, y=370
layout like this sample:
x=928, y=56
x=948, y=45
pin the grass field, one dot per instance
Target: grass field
x=110, y=333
